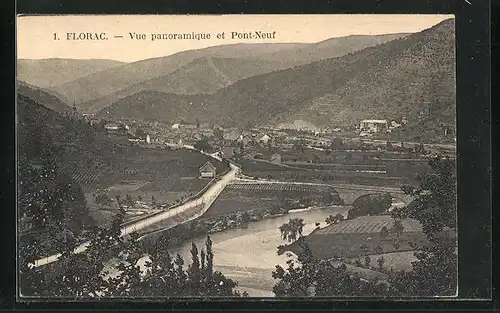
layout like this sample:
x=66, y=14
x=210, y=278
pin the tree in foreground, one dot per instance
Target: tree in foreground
x=311, y=277
x=435, y=271
x=88, y=274
x=292, y=230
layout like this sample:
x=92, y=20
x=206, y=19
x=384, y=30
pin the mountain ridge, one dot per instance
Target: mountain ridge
x=49, y=72
x=115, y=80
x=49, y=101
x=289, y=94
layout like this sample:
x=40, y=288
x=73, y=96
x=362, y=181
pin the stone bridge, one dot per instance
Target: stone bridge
x=350, y=194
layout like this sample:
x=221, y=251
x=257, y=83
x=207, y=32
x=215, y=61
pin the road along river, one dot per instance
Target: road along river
x=204, y=200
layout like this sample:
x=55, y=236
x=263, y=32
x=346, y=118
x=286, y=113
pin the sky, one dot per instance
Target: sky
x=40, y=37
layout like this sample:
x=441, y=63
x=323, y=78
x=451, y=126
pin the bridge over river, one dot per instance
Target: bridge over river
x=196, y=207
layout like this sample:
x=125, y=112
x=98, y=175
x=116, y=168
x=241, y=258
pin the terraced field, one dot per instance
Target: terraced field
x=368, y=224
x=280, y=187
x=85, y=178
x=360, y=236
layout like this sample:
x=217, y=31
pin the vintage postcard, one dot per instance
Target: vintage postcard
x=195, y=156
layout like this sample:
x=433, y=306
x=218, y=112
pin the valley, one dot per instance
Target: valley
x=284, y=160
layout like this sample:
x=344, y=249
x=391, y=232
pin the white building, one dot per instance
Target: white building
x=207, y=170
x=374, y=126
x=264, y=139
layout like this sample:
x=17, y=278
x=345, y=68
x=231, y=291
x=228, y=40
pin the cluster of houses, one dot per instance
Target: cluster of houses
x=367, y=127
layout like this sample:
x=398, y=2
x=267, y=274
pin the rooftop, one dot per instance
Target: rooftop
x=374, y=121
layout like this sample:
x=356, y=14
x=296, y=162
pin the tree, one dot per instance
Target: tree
x=435, y=200
x=396, y=245
x=380, y=262
x=292, y=230
x=83, y=275
x=140, y=133
x=203, y=145
x=388, y=146
x=337, y=144
x=397, y=227
x=129, y=201
x=370, y=204
x=334, y=219
x=339, y=217
x=367, y=261
x=219, y=133
x=103, y=200
x=75, y=275
x=330, y=219
x=364, y=247
x=312, y=277
x=384, y=232
x=122, y=211
x=435, y=271
x=299, y=145
x=194, y=272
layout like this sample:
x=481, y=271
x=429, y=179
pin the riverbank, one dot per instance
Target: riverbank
x=204, y=226
x=249, y=255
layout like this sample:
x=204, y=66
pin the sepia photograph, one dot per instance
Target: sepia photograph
x=230, y=156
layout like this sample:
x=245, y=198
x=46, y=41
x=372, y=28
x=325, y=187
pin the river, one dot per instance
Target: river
x=249, y=255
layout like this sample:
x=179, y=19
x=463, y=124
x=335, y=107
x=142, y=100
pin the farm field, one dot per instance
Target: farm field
x=343, y=156
x=368, y=224
x=360, y=236
x=350, y=245
x=388, y=167
x=330, y=178
x=364, y=273
x=390, y=173
x=172, y=169
x=237, y=198
x=166, y=174
x=398, y=261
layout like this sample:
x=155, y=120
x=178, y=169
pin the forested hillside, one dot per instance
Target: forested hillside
x=413, y=76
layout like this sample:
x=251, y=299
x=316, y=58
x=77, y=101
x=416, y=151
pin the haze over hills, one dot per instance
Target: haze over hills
x=45, y=73
x=412, y=76
x=109, y=81
x=48, y=100
x=204, y=75
x=266, y=57
x=330, y=48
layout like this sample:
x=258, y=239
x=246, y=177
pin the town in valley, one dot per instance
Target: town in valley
x=242, y=170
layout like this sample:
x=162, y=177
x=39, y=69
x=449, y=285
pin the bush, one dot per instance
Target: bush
x=371, y=204
x=384, y=232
